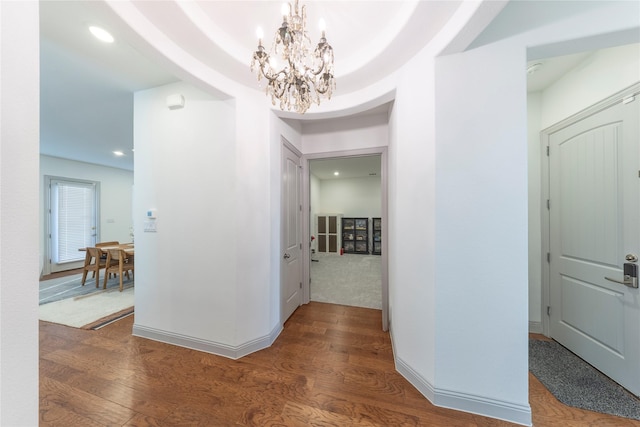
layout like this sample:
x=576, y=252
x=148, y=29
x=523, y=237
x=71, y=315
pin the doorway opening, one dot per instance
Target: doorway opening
x=558, y=282
x=346, y=198
x=345, y=231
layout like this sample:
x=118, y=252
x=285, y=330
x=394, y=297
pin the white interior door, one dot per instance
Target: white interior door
x=291, y=233
x=594, y=212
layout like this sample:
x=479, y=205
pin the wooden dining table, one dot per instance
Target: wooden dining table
x=128, y=248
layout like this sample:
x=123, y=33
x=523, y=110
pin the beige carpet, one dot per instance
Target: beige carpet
x=349, y=279
x=86, y=310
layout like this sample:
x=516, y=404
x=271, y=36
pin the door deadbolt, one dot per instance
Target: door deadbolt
x=630, y=272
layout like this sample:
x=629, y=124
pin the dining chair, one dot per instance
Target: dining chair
x=94, y=261
x=118, y=262
x=103, y=244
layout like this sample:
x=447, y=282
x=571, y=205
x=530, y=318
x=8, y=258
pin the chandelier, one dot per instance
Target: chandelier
x=296, y=76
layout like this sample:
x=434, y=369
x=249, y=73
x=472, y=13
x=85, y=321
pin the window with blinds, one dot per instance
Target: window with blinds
x=73, y=219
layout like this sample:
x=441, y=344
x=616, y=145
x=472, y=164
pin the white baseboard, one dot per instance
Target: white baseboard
x=507, y=411
x=232, y=352
x=535, y=327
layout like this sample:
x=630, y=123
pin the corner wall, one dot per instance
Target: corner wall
x=411, y=225
x=481, y=232
x=185, y=168
x=458, y=155
x=19, y=147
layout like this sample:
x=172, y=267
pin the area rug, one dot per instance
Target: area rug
x=91, y=310
x=576, y=383
x=70, y=286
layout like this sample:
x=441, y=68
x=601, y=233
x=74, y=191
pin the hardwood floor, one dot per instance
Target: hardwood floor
x=331, y=366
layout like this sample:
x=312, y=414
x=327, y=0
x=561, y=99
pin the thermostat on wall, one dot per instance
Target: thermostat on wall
x=151, y=214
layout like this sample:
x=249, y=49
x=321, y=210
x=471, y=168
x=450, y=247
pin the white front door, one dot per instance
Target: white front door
x=594, y=191
x=291, y=233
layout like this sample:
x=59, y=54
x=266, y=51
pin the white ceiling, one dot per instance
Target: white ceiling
x=350, y=167
x=87, y=86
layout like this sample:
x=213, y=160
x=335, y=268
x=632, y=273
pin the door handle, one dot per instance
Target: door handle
x=630, y=272
x=286, y=256
x=631, y=282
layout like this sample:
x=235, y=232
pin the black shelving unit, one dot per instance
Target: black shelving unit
x=355, y=235
x=377, y=236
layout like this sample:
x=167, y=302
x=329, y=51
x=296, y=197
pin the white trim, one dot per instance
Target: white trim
x=500, y=409
x=535, y=327
x=232, y=352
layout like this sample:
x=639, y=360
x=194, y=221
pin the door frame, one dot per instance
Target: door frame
x=545, y=135
x=306, y=226
x=48, y=250
x=286, y=144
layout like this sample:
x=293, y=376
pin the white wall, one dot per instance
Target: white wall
x=481, y=231
x=116, y=186
x=185, y=167
x=462, y=338
x=427, y=339
x=411, y=249
x=620, y=65
x=206, y=170
x=351, y=133
x=19, y=146
x=353, y=197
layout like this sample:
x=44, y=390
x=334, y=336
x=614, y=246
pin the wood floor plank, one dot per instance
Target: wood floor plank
x=81, y=403
x=332, y=365
x=140, y=420
x=54, y=414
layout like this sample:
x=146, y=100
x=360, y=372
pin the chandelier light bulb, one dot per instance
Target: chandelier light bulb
x=322, y=24
x=285, y=10
x=259, y=34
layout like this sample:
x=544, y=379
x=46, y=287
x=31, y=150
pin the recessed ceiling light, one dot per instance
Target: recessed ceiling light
x=101, y=34
x=118, y=153
x=336, y=173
